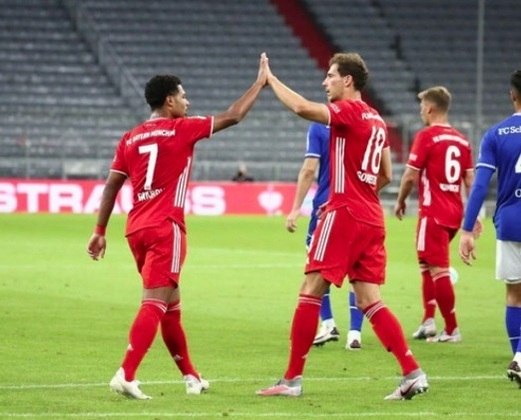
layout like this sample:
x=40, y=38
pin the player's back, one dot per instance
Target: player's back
x=157, y=157
x=501, y=150
x=318, y=147
x=443, y=155
x=358, y=136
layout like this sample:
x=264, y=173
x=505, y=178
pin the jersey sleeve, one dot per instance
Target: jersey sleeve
x=338, y=114
x=487, y=155
x=313, y=143
x=418, y=153
x=119, y=163
x=469, y=162
x=196, y=128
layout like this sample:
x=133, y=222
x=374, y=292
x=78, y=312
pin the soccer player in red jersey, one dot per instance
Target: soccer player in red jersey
x=157, y=156
x=349, y=238
x=440, y=162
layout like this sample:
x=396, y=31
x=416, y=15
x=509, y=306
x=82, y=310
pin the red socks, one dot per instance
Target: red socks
x=446, y=300
x=389, y=331
x=303, y=330
x=428, y=293
x=142, y=334
x=175, y=339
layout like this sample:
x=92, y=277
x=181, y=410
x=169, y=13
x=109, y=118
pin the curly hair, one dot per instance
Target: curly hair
x=159, y=87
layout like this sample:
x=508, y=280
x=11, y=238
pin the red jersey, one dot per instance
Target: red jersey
x=442, y=155
x=358, y=136
x=157, y=157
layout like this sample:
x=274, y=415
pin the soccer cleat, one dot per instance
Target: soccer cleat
x=285, y=387
x=443, y=337
x=409, y=387
x=425, y=330
x=326, y=334
x=354, y=340
x=129, y=389
x=514, y=372
x=195, y=385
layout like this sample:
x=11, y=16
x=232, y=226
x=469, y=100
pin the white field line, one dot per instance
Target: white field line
x=238, y=414
x=246, y=380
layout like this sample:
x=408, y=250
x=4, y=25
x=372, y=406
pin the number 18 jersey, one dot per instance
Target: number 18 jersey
x=358, y=136
x=442, y=155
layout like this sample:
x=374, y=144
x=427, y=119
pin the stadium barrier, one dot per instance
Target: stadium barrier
x=203, y=198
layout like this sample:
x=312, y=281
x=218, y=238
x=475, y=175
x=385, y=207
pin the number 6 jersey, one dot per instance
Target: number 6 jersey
x=442, y=155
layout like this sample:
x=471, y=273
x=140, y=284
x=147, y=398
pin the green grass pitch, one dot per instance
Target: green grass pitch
x=64, y=321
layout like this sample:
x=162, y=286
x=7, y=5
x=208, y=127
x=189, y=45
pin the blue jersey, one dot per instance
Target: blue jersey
x=500, y=151
x=318, y=147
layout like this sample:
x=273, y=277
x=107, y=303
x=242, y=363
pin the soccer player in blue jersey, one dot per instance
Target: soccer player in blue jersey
x=317, y=157
x=500, y=151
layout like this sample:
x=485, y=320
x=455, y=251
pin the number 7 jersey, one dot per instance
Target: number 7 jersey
x=358, y=136
x=442, y=155
x=157, y=157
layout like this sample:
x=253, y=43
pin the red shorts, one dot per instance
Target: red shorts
x=432, y=242
x=342, y=245
x=159, y=253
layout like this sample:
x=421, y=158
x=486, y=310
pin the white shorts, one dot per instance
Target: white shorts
x=508, y=261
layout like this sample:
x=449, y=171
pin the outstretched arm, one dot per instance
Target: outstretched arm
x=313, y=111
x=238, y=110
x=306, y=177
x=409, y=179
x=97, y=243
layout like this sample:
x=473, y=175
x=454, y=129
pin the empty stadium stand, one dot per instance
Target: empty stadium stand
x=55, y=100
x=72, y=73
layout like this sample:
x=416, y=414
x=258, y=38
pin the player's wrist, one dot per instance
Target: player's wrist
x=100, y=230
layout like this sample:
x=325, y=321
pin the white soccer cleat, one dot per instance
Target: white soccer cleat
x=284, y=387
x=409, y=387
x=326, y=334
x=425, y=330
x=195, y=385
x=443, y=337
x=354, y=340
x=129, y=389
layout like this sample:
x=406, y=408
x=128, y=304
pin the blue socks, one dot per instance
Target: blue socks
x=356, y=315
x=513, y=325
x=325, y=307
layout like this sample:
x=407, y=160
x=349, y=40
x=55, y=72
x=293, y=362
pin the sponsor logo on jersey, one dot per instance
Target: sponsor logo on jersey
x=509, y=130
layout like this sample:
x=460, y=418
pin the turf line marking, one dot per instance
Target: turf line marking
x=262, y=415
x=249, y=380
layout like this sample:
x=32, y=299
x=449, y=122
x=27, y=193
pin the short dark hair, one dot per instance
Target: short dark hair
x=351, y=64
x=515, y=81
x=159, y=87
